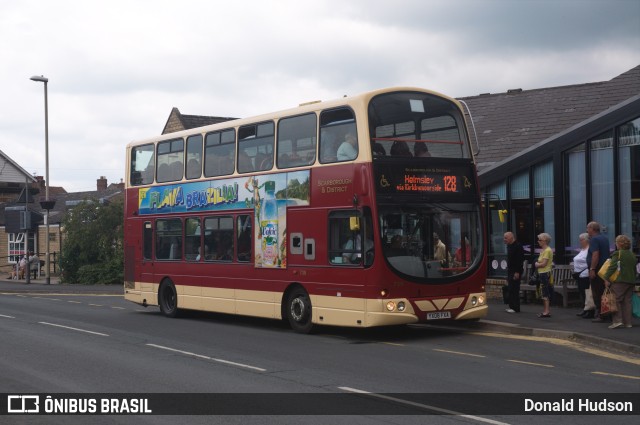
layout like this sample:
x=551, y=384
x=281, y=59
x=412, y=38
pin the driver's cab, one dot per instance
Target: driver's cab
x=351, y=238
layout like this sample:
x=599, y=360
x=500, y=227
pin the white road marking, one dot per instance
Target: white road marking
x=200, y=356
x=423, y=406
x=616, y=375
x=530, y=363
x=73, y=329
x=8, y=317
x=459, y=353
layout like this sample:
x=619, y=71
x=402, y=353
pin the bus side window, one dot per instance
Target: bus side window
x=169, y=239
x=193, y=239
x=194, y=157
x=338, y=135
x=351, y=235
x=245, y=237
x=220, y=149
x=297, y=141
x=170, y=160
x=256, y=140
x=219, y=238
x=244, y=162
x=142, y=165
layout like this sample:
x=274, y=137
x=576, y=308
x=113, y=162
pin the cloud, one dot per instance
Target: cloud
x=116, y=68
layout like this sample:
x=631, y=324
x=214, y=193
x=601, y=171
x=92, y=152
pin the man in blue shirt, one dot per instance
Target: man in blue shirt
x=596, y=256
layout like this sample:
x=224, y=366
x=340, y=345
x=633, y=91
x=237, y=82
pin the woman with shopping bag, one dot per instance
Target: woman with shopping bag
x=623, y=264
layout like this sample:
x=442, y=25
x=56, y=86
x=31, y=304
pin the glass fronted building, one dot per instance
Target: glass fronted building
x=552, y=160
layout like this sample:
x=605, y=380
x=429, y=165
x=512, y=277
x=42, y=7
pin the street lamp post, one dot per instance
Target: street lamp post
x=47, y=204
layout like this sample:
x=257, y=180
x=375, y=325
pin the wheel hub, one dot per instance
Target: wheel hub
x=298, y=309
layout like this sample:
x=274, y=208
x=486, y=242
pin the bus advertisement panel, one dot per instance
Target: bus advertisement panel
x=268, y=199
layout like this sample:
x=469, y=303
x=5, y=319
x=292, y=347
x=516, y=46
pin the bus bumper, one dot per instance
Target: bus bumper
x=473, y=313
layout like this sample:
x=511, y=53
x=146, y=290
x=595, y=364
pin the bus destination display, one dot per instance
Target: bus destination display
x=425, y=180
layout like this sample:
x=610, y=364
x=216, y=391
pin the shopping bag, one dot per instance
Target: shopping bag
x=635, y=304
x=608, y=303
x=603, y=271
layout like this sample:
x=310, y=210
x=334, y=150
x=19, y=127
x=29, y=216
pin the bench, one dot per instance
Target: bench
x=563, y=281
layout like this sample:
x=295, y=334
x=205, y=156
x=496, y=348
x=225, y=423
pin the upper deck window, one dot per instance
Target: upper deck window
x=142, y=165
x=170, y=161
x=220, y=153
x=338, y=136
x=413, y=124
x=297, y=141
x=255, y=147
x=194, y=156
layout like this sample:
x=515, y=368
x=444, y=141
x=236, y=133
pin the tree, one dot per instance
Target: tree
x=92, y=249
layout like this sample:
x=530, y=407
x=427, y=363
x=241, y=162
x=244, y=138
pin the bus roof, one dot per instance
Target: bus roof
x=361, y=99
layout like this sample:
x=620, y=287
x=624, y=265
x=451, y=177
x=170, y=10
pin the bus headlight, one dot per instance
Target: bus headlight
x=391, y=306
x=401, y=306
x=477, y=301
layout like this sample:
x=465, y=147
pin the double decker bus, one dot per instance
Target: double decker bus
x=362, y=211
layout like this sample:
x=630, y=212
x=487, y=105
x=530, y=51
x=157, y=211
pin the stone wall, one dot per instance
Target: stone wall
x=494, y=288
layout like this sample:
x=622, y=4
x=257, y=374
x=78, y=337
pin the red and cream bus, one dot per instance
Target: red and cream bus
x=362, y=211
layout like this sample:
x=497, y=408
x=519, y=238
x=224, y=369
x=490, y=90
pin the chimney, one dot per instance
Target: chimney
x=40, y=182
x=102, y=184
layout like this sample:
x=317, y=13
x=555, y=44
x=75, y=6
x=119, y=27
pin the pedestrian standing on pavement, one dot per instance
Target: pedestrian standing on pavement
x=625, y=261
x=596, y=256
x=22, y=266
x=581, y=275
x=544, y=264
x=515, y=260
x=34, y=263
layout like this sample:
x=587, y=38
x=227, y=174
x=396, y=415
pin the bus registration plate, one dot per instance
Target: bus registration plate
x=439, y=315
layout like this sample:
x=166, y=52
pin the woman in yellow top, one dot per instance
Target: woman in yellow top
x=544, y=263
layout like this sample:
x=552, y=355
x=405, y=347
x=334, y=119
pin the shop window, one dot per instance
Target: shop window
x=602, y=195
x=629, y=159
x=576, y=186
x=543, y=200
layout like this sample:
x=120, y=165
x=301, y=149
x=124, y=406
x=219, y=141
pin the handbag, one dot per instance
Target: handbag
x=576, y=275
x=588, y=302
x=534, y=279
x=603, y=270
x=608, y=303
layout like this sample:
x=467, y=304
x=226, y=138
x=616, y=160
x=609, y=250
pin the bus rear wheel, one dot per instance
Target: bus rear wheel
x=299, y=311
x=168, y=299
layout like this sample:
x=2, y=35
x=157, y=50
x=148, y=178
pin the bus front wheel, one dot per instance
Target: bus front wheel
x=299, y=311
x=168, y=299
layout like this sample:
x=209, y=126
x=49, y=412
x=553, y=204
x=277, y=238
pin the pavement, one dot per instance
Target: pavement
x=563, y=323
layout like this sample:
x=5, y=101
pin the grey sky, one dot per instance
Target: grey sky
x=116, y=68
